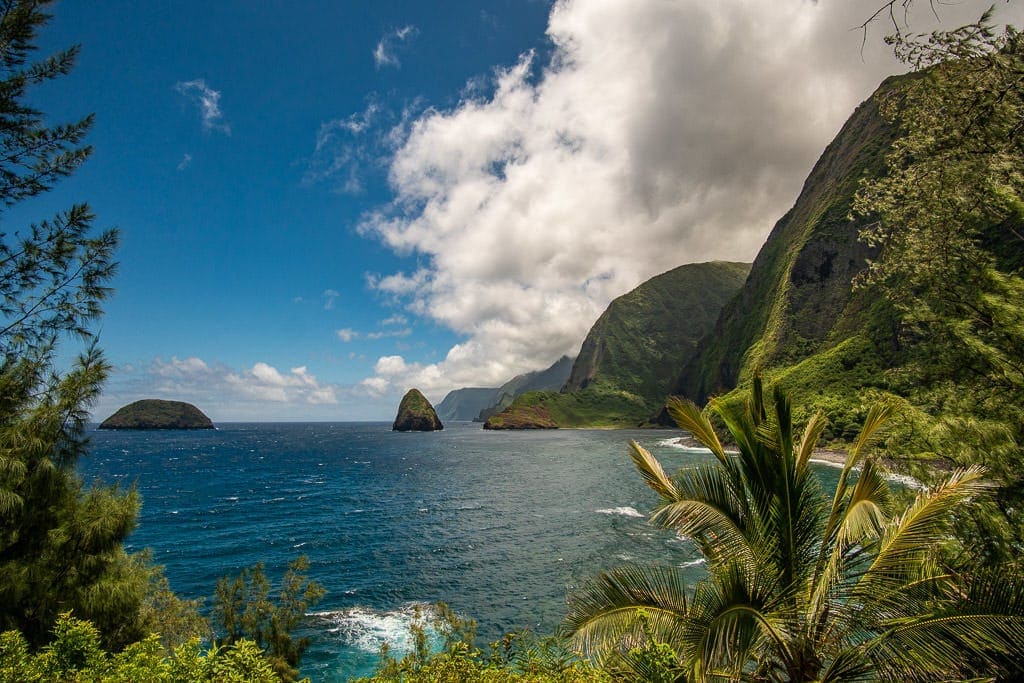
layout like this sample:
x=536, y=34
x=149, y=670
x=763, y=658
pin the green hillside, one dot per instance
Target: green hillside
x=153, y=413
x=798, y=300
x=627, y=361
x=940, y=337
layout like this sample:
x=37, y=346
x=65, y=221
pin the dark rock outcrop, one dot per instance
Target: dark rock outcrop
x=153, y=413
x=534, y=417
x=415, y=414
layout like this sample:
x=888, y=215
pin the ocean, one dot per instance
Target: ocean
x=499, y=525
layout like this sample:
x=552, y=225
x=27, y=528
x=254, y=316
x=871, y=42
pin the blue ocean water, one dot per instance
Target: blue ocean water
x=499, y=525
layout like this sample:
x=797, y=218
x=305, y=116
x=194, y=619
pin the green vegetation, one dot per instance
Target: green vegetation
x=60, y=542
x=154, y=413
x=949, y=218
x=73, y=604
x=629, y=357
x=245, y=611
x=897, y=275
x=516, y=658
x=75, y=653
x=802, y=586
x=552, y=378
x=416, y=414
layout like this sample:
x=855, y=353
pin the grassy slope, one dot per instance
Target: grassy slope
x=154, y=413
x=798, y=318
x=798, y=291
x=626, y=363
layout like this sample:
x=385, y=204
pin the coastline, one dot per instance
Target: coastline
x=824, y=455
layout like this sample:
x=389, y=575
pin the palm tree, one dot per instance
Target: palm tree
x=801, y=588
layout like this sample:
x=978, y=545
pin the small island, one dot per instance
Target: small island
x=152, y=413
x=415, y=414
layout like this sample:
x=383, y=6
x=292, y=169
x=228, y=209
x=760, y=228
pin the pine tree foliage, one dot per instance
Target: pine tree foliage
x=246, y=610
x=803, y=586
x=60, y=541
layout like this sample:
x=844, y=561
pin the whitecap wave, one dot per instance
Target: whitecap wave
x=676, y=442
x=623, y=511
x=694, y=563
x=368, y=629
x=901, y=479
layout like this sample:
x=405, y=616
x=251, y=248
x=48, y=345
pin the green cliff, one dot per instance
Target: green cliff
x=152, y=413
x=415, y=414
x=799, y=300
x=627, y=362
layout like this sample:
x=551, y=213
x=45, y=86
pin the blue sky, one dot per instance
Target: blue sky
x=325, y=203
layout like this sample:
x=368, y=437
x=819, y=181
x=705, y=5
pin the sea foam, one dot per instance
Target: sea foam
x=368, y=629
x=624, y=511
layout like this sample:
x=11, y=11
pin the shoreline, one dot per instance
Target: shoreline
x=828, y=456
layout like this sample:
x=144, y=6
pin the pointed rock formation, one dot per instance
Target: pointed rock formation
x=415, y=414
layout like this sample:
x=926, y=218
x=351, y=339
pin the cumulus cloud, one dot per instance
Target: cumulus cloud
x=386, y=52
x=228, y=393
x=347, y=334
x=208, y=101
x=658, y=133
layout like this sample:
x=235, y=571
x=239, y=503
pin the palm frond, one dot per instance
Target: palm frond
x=730, y=619
x=908, y=537
x=868, y=508
x=689, y=417
x=874, y=427
x=708, y=508
x=606, y=612
x=812, y=432
x=651, y=471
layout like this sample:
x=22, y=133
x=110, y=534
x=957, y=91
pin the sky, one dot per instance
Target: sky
x=325, y=203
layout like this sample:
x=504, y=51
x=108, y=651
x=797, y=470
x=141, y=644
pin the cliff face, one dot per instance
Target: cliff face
x=799, y=299
x=154, y=413
x=627, y=362
x=644, y=336
x=472, y=403
x=466, y=403
x=550, y=379
x=415, y=414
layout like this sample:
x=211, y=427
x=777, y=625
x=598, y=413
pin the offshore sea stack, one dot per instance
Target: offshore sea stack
x=153, y=413
x=415, y=414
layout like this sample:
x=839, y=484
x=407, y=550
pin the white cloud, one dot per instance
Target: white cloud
x=329, y=296
x=396, y=319
x=208, y=101
x=347, y=334
x=658, y=133
x=385, y=54
x=259, y=392
x=384, y=334
x=185, y=162
x=343, y=152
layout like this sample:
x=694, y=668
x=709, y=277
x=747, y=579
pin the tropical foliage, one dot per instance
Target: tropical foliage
x=516, y=658
x=245, y=609
x=802, y=586
x=948, y=217
x=75, y=653
x=60, y=542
